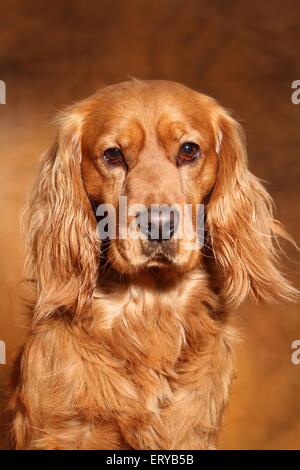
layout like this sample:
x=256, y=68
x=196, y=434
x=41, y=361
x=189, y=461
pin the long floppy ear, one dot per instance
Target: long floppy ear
x=242, y=231
x=60, y=229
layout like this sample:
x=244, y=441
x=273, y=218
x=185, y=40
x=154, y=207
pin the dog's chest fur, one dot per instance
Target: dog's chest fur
x=150, y=326
x=156, y=334
x=154, y=366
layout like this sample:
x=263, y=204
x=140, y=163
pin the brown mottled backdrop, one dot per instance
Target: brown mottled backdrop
x=245, y=54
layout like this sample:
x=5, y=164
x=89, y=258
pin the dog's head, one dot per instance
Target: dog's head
x=149, y=150
x=144, y=156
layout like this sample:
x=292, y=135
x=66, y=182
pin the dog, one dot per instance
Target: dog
x=130, y=340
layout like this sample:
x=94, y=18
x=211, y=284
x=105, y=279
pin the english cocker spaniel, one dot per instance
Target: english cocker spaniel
x=130, y=345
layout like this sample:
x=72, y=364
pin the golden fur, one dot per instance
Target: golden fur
x=125, y=352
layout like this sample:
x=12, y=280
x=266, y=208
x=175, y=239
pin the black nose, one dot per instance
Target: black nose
x=158, y=223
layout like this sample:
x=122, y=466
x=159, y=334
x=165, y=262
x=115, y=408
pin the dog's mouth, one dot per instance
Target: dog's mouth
x=159, y=260
x=159, y=253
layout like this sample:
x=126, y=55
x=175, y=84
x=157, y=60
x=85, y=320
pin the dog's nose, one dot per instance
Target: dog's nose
x=159, y=224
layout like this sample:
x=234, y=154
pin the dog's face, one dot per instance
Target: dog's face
x=156, y=145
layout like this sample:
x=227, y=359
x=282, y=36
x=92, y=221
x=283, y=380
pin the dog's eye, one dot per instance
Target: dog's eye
x=188, y=152
x=113, y=156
